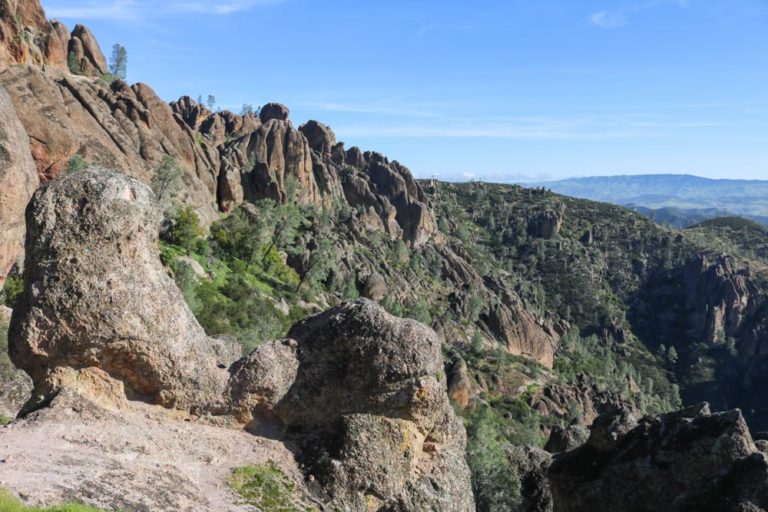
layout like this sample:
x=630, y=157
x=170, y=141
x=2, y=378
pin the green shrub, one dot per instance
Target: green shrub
x=12, y=290
x=8, y=503
x=185, y=230
x=76, y=164
x=266, y=487
x=494, y=481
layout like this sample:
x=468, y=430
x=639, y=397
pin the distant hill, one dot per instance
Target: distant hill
x=678, y=196
x=681, y=218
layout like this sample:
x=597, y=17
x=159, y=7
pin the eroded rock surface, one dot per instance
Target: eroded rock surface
x=661, y=463
x=96, y=295
x=368, y=407
x=129, y=456
x=18, y=181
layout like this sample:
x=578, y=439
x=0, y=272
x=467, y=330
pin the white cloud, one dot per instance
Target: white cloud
x=140, y=9
x=620, y=17
x=606, y=19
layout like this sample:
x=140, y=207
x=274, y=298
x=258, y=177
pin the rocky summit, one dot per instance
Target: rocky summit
x=205, y=310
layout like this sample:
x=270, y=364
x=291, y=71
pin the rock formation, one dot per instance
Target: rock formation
x=96, y=295
x=29, y=38
x=670, y=460
x=363, y=393
x=18, y=181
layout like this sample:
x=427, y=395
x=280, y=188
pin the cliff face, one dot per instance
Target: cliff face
x=359, y=395
x=227, y=160
x=18, y=180
x=29, y=38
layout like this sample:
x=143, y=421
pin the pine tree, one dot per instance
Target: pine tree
x=211, y=101
x=118, y=65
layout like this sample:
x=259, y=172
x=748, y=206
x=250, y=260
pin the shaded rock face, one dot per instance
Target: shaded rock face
x=18, y=181
x=96, y=295
x=718, y=300
x=564, y=439
x=367, y=407
x=320, y=137
x=272, y=111
x=530, y=466
x=15, y=385
x=459, y=383
x=546, y=224
x=670, y=460
x=718, y=297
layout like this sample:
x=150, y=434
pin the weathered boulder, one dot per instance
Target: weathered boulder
x=530, y=466
x=546, y=224
x=96, y=295
x=564, y=439
x=272, y=111
x=375, y=287
x=261, y=380
x=367, y=407
x=18, y=181
x=320, y=137
x=663, y=458
x=459, y=383
x=15, y=385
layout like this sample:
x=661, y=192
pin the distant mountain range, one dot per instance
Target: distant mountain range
x=679, y=199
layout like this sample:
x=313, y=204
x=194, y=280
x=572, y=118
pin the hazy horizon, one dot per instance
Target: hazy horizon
x=488, y=91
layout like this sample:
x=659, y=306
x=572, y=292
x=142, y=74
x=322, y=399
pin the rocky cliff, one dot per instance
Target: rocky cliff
x=18, y=180
x=229, y=160
x=102, y=330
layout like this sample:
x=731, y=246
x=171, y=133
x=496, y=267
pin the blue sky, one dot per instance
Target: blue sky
x=499, y=90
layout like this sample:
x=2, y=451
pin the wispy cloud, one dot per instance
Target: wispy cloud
x=364, y=108
x=606, y=19
x=142, y=9
x=619, y=17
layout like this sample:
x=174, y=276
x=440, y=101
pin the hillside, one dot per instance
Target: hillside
x=677, y=191
x=276, y=293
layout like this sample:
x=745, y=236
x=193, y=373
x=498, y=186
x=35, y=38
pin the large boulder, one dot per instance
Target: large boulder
x=272, y=111
x=667, y=460
x=368, y=409
x=18, y=181
x=96, y=295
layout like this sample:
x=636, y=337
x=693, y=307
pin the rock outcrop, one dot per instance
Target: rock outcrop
x=29, y=38
x=126, y=128
x=367, y=406
x=96, y=295
x=672, y=462
x=228, y=160
x=18, y=181
x=135, y=457
x=85, y=53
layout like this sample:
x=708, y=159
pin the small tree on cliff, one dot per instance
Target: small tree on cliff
x=165, y=177
x=118, y=64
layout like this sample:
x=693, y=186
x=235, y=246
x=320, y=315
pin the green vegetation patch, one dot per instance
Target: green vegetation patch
x=8, y=503
x=268, y=488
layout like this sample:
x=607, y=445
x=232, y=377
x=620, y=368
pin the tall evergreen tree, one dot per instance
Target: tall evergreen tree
x=118, y=65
